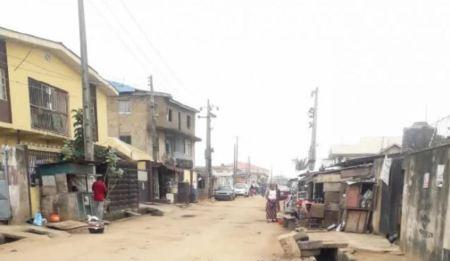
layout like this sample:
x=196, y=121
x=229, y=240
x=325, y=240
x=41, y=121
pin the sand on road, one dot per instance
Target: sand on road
x=222, y=231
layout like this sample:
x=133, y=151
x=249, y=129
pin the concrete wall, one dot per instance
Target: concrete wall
x=425, y=218
x=163, y=105
x=133, y=124
x=43, y=65
x=18, y=184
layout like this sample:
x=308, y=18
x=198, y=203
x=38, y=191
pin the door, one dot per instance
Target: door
x=5, y=207
x=145, y=188
x=391, y=199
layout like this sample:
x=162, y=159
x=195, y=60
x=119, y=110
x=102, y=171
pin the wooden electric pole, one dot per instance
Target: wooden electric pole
x=313, y=125
x=153, y=133
x=87, y=111
x=209, y=150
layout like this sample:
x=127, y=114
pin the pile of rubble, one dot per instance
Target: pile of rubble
x=296, y=244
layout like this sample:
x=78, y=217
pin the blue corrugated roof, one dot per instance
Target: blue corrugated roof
x=121, y=87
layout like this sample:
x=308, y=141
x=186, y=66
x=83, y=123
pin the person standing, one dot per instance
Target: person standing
x=271, y=204
x=278, y=197
x=99, y=192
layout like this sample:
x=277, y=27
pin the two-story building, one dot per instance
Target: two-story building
x=130, y=119
x=40, y=85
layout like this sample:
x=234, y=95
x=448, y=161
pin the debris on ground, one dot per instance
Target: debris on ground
x=67, y=225
x=131, y=213
x=298, y=244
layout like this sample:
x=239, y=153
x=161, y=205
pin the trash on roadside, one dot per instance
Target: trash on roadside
x=95, y=225
x=38, y=220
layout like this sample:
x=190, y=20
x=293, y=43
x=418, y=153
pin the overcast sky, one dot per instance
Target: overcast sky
x=380, y=65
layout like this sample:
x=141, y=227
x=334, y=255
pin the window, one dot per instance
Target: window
x=170, y=145
x=188, y=148
x=188, y=121
x=48, y=107
x=125, y=138
x=179, y=145
x=169, y=115
x=179, y=120
x=3, y=94
x=124, y=107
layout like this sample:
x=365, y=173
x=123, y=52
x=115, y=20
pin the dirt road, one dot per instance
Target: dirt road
x=227, y=230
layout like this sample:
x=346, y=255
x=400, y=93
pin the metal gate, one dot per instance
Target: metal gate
x=5, y=207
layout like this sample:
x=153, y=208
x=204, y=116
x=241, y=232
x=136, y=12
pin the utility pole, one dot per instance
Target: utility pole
x=236, y=159
x=209, y=150
x=313, y=126
x=155, y=147
x=87, y=112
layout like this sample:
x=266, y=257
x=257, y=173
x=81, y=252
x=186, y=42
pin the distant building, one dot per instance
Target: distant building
x=223, y=176
x=248, y=174
x=367, y=146
x=129, y=119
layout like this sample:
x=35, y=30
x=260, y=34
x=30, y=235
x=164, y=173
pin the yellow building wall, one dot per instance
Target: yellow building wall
x=102, y=117
x=27, y=61
x=35, y=200
x=42, y=65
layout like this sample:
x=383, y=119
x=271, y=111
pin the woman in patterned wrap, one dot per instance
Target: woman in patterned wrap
x=271, y=204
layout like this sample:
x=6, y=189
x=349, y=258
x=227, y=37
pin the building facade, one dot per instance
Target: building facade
x=130, y=119
x=40, y=85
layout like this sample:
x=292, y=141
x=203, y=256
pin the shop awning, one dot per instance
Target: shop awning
x=126, y=150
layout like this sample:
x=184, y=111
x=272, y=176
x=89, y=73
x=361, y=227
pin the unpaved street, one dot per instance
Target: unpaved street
x=226, y=230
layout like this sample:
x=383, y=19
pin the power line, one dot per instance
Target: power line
x=124, y=43
x=143, y=55
x=147, y=39
x=46, y=74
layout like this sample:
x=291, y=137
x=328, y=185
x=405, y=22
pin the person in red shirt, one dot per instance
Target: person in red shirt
x=99, y=192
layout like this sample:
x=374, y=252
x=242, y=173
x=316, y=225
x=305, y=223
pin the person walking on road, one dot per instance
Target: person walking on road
x=271, y=204
x=99, y=192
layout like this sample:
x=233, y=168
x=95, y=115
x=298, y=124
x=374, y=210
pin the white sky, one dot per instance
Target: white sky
x=378, y=64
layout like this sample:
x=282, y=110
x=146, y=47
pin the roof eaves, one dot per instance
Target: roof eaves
x=55, y=46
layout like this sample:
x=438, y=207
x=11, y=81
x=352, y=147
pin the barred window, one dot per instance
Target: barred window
x=3, y=94
x=48, y=107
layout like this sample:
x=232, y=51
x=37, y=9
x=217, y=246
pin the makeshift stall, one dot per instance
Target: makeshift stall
x=66, y=189
x=359, y=205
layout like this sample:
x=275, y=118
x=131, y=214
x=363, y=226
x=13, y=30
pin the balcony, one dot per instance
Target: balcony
x=179, y=160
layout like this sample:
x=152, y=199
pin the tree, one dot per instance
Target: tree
x=73, y=150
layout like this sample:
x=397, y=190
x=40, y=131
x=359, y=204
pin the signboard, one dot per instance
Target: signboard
x=48, y=181
x=142, y=175
x=385, y=170
x=426, y=180
x=184, y=164
x=440, y=175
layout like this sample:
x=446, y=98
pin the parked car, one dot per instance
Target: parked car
x=224, y=193
x=241, y=189
x=284, y=192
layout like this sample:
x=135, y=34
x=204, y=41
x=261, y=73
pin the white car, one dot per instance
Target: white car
x=241, y=189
